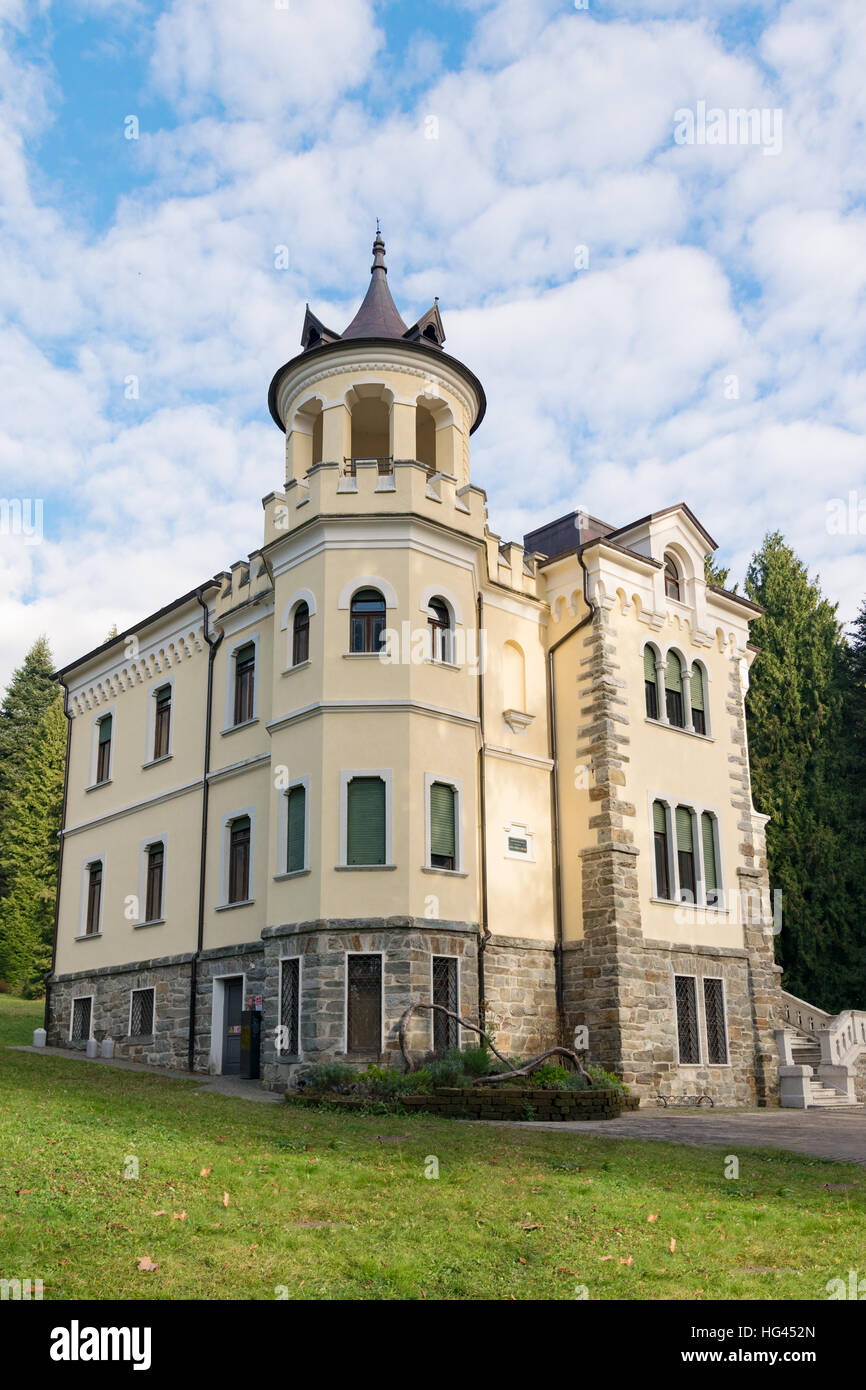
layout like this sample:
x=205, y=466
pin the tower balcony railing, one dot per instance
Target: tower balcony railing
x=385, y=464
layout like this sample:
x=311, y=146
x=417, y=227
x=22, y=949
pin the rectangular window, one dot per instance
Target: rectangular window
x=660, y=847
x=685, y=854
x=365, y=828
x=94, y=899
x=442, y=826
x=81, y=1009
x=290, y=1005
x=141, y=1013
x=711, y=876
x=296, y=832
x=674, y=690
x=162, y=726
x=239, y=860
x=714, y=1014
x=651, y=689
x=687, y=1020
x=153, y=902
x=245, y=666
x=103, y=754
x=445, y=1032
x=364, y=1004
x=699, y=718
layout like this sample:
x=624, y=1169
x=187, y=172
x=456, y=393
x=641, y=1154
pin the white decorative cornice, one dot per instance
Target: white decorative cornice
x=304, y=378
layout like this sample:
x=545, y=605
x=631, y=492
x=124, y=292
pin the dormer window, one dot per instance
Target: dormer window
x=672, y=578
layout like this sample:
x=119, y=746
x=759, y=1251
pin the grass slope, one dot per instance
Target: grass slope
x=327, y=1206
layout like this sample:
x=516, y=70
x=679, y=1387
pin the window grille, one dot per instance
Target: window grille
x=714, y=1011
x=687, y=1020
x=141, y=1014
x=445, y=1030
x=290, y=1003
x=81, y=1020
x=364, y=1004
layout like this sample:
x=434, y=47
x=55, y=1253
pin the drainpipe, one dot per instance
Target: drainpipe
x=50, y=975
x=482, y=811
x=213, y=645
x=557, y=848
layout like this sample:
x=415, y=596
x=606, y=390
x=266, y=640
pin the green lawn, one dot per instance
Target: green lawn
x=332, y=1206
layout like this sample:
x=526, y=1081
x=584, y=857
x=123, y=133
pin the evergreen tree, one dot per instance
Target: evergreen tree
x=717, y=575
x=800, y=758
x=31, y=690
x=28, y=856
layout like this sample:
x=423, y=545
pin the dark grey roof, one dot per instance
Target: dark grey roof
x=377, y=316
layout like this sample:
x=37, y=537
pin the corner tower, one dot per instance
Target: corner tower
x=377, y=391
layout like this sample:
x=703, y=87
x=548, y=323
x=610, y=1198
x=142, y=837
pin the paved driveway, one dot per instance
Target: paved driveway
x=839, y=1135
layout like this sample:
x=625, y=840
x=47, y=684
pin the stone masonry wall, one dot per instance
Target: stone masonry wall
x=110, y=1009
x=520, y=995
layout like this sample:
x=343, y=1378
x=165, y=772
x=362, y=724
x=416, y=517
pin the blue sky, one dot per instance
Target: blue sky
x=707, y=346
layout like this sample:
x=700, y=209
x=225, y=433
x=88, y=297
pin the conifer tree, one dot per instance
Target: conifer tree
x=30, y=691
x=28, y=856
x=800, y=759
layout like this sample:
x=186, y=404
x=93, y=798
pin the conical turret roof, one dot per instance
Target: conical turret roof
x=377, y=316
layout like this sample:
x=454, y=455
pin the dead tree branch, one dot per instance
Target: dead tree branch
x=464, y=1023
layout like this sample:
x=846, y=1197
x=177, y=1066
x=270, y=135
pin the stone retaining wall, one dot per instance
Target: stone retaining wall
x=493, y=1103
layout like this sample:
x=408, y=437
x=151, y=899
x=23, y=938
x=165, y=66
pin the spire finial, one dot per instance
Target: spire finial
x=378, y=252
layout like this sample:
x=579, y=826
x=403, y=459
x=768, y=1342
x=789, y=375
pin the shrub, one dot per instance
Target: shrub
x=446, y=1072
x=552, y=1076
x=385, y=1082
x=475, y=1061
x=329, y=1076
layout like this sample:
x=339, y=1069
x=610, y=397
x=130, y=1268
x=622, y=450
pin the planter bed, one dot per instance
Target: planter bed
x=489, y=1103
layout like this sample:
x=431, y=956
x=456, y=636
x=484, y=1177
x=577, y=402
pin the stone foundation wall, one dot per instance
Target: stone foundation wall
x=110, y=1009
x=407, y=945
x=520, y=995
x=860, y=1079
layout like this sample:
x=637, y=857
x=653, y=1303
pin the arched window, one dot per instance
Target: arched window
x=301, y=635
x=367, y=621
x=651, y=690
x=441, y=632
x=672, y=578
x=674, y=690
x=699, y=699
x=425, y=436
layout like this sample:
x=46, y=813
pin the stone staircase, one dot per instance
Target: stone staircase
x=820, y=1054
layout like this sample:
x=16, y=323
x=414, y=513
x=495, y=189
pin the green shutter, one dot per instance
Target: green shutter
x=708, y=841
x=442, y=819
x=105, y=729
x=365, y=840
x=297, y=807
x=673, y=673
x=697, y=688
x=684, y=830
x=649, y=665
x=660, y=824
x=246, y=653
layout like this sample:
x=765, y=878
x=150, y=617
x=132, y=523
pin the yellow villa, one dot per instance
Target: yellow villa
x=392, y=758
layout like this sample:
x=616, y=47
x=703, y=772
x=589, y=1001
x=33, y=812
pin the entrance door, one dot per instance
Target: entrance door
x=232, y=1005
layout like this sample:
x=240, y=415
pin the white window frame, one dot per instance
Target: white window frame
x=85, y=884
x=386, y=774
x=248, y=639
x=101, y=714
x=346, y=955
x=456, y=783
x=283, y=870
x=288, y=624
x=140, y=990
x=156, y=687
x=445, y=955
x=706, y=684
x=148, y=843
x=687, y=975
x=300, y=959
x=75, y=1000
x=697, y=809
x=225, y=838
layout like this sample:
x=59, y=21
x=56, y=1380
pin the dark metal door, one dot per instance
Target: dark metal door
x=232, y=1005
